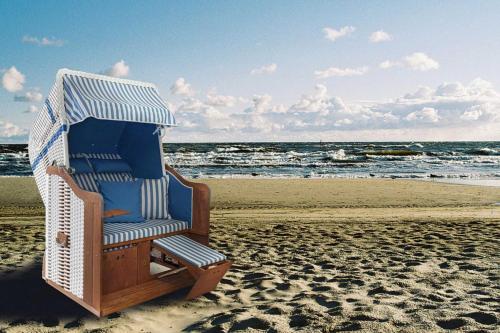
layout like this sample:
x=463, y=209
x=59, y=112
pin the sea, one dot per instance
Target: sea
x=421, y=160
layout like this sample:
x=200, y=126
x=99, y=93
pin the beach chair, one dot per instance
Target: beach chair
x=121, y=226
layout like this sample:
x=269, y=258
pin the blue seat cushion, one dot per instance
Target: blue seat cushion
x=124, y=196
x=124, y=232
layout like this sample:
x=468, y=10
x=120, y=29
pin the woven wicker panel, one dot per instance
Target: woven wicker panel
x=65, y=213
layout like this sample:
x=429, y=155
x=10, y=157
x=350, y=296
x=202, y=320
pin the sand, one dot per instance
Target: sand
x=309, y=255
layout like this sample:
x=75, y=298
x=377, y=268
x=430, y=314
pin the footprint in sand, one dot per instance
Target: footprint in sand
x=482, y=318
x=451, y=324
x=298, y=320
x=348, y=326
x=255, y=323
x=323, y=301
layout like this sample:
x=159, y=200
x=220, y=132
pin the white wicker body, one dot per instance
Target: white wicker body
x=64, y=265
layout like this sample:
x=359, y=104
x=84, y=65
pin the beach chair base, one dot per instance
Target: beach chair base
x=206, y=277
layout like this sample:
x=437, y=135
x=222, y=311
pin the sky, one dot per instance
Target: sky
x=269, y=70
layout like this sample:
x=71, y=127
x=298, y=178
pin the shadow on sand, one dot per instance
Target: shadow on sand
x=26, y=297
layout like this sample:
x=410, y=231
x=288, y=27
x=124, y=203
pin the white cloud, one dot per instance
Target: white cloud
x=220, y=100
x=380, y=36
x=32, y=109
x=451, y=89
x=427, y=114
x=342, y=122
x=388, y=64
x=181, y=87
x=451, y=111
x=333, y=34
x=44, y=41
x=261, y=104
x=419, y=61
x=119, y=69
x=32, y=96
x=474, y=113
x=421, y=93
x=335, y=71
x=9, y=130
x=266, y=69
x=13, y=80
x=319, y=101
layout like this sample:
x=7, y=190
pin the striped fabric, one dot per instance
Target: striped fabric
x=88, y=181
x=102, y=97
x=102, y=156
x=190, y=251
x=123, y=232
x=114, y=176
x=155, y=198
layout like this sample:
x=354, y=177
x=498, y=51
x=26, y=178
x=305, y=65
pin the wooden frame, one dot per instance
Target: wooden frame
x=132, y=273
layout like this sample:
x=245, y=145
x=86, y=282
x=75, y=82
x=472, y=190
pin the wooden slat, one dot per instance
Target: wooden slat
x=143, y=261
x=208, y=280
x=144, y=292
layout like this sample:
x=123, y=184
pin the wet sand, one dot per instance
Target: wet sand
x=309, y=255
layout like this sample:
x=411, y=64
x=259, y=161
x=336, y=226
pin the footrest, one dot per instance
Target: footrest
x=188, y=250
x=207, y=266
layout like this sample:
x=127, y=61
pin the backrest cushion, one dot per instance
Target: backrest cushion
x=122, y=196
x=88, y=181
x=81, y=165
x=154, y=198
x=110, y=166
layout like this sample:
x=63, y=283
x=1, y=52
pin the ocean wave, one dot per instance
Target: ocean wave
x=486, y=151
x=391, y=153
x=325, y=159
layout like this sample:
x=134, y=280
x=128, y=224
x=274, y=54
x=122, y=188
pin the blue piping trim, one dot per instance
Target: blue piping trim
x=50, y=111
x=49, y=144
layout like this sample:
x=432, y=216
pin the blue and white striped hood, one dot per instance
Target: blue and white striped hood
x=103, y=97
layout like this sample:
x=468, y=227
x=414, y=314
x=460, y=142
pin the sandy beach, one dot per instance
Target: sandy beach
x=368, y=255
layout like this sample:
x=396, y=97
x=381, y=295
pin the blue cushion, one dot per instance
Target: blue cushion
x=110, y=165
x=125, y=196
x=80, y=165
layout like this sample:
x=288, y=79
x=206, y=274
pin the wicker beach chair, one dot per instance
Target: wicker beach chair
x=121, y=226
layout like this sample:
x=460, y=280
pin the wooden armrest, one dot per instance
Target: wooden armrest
x=201, y=203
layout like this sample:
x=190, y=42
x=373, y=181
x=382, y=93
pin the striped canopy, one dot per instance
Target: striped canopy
x=103, y=97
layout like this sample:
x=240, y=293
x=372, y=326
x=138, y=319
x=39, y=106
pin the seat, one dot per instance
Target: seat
x=114, y=233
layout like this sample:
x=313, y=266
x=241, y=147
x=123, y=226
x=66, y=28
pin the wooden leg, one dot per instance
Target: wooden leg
x=208, y=279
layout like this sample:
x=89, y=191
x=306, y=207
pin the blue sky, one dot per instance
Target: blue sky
x=270, y=70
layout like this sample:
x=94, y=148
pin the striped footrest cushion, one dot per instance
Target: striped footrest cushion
x=190, y=251
x=123, y=232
